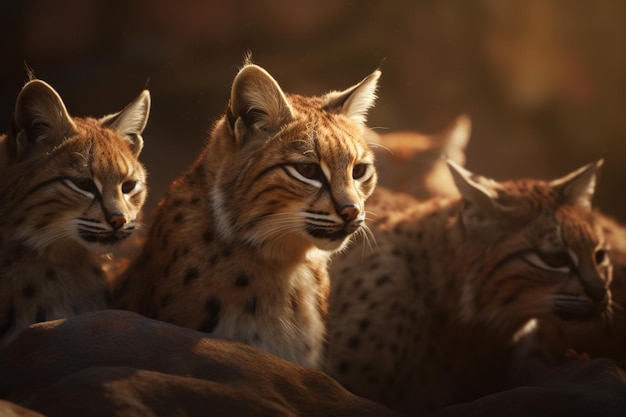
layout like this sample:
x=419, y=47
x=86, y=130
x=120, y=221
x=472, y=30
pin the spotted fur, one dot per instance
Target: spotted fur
x=240, y=244
x=556, y=341
x=70, y=189
x=431, y=317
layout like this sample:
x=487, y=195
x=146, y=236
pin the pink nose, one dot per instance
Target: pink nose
x=117, y=221
x=349, y=212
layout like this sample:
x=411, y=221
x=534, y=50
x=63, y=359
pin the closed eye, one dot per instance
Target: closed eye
x=84, y=186
x=309, y=170
x=309, y=173
x=550, y=261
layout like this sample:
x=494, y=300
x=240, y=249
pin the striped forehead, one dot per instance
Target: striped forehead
x=103, y=152
x=577, y=227
x=338, y=143
x=574, y=234
x=337, y=147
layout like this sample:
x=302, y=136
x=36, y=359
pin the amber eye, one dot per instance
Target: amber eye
x=129, y=186
x=601, y=256
x=358, y=171
x=308, y=170
x=555, y=259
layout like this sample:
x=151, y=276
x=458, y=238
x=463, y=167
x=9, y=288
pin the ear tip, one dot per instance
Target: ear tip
x=374, y=77
x=453, y=165
x=36, y=84
x=463, y=120
x=249, y=67
x=146, y=97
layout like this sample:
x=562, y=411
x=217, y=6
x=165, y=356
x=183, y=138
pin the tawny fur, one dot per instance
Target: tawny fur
x=70, y=190
x=408, y=162
x=415, y=163
x=556, y=341
x=239, y=246
x=432, y=315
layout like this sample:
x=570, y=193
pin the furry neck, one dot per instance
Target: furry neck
x=217, y=156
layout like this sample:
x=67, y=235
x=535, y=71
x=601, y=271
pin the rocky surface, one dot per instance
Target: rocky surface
x=115, y=363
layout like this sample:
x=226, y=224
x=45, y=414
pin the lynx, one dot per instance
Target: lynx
x=70, y=189
x=414, y=163
x=240, y=244
x=432, y=316
x=407, y=162
x=556, y=341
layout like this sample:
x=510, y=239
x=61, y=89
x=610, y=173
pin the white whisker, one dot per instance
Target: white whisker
x=376, y=145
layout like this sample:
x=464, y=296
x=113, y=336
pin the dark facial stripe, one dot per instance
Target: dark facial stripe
x=486, y=295
x=36, y=188
x=504, y=261
x=43, y=203
x=262, y=174
x=270, y=189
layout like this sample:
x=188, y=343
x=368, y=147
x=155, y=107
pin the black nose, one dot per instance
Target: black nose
x=349, y=212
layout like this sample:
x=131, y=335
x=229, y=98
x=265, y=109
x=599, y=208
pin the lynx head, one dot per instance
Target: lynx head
x=415, y=163
x=71, y=179
x=537, y=251
x=293, y=172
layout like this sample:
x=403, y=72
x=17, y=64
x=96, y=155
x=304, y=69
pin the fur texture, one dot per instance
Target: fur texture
x=71, y=188
x=240, y=244
x=432, y=315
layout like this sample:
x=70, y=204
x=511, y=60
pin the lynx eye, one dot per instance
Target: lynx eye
x=359, y=171
x=309, y=170
x=555, y=259
x=559, y=261
x=85, y=186
x=130, y=186
x=601, y=256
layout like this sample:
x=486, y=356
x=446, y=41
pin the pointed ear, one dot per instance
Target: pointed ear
x=257, y=104
x=478, y=193
x=130, y=122
x=578, y=187
x=455, y=138
x=480, y=211
x=356, y=100
x=40, y=121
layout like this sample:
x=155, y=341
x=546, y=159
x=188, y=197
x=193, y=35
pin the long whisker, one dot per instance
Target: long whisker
x=369, y=237
x=376, y=145
x=282, y=223
x=617, y=306
x=52, y=233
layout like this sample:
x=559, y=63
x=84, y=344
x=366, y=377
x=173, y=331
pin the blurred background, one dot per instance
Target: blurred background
x=544, y=81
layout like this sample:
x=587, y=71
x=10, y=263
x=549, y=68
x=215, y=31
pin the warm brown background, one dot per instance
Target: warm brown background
x=543, y=80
